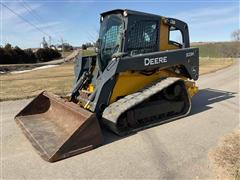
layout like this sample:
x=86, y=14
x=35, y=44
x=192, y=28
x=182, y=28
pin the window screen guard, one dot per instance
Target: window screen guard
x=143, y=37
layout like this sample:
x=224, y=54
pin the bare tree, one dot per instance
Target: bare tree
x=236, y=35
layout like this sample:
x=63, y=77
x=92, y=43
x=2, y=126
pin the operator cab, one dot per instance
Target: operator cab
x=129, y=33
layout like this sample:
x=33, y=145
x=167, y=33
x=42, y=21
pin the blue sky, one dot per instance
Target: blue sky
x=78, y=21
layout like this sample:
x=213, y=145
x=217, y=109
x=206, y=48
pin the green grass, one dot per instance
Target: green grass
x=88, y=53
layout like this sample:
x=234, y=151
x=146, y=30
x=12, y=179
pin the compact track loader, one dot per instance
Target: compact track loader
x=140, y=77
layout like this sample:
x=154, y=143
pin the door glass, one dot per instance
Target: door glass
x=175, y=36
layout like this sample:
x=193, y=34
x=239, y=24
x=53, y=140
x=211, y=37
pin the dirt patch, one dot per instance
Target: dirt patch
x=226, y=156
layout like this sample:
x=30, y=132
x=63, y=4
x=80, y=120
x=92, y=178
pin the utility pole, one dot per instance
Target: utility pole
x=44, y=43
x=62, y=47
x=49, y=41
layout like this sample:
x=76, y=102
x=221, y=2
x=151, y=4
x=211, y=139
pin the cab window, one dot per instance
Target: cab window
x=175, y=37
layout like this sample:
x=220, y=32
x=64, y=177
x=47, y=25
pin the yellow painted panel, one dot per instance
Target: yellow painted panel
x=130, y=82
x=191, y=88
x=164, y=43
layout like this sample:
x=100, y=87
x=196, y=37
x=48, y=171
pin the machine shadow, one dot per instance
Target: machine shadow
x=200, y=103
x=208, y=96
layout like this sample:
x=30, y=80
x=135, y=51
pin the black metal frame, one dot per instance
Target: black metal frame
x=83, y=64
x=183, y=27
x=136, y=15
x=187, y=58
x=132, y=19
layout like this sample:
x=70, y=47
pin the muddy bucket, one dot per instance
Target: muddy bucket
x=57, y=128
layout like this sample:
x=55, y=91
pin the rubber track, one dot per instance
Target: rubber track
x=113, y=111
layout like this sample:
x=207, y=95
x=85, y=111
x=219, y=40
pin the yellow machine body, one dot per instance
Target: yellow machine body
x=132, y=81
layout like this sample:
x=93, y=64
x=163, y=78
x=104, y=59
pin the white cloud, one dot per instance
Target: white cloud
x=223, y=21
x=205, y=13
x=211, y=19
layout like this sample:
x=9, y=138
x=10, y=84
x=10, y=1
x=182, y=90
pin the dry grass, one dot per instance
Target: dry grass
x=208, y=65
x=66, y=53
x=59, y=79
x=226, y=156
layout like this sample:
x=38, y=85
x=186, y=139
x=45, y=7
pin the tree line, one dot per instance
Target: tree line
x=16, y=55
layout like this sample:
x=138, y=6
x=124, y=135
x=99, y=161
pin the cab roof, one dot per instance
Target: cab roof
x=116, y=11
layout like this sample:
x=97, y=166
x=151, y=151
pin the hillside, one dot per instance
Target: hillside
x=218, y=49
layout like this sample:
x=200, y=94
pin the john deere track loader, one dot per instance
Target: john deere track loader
x=140, y=77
